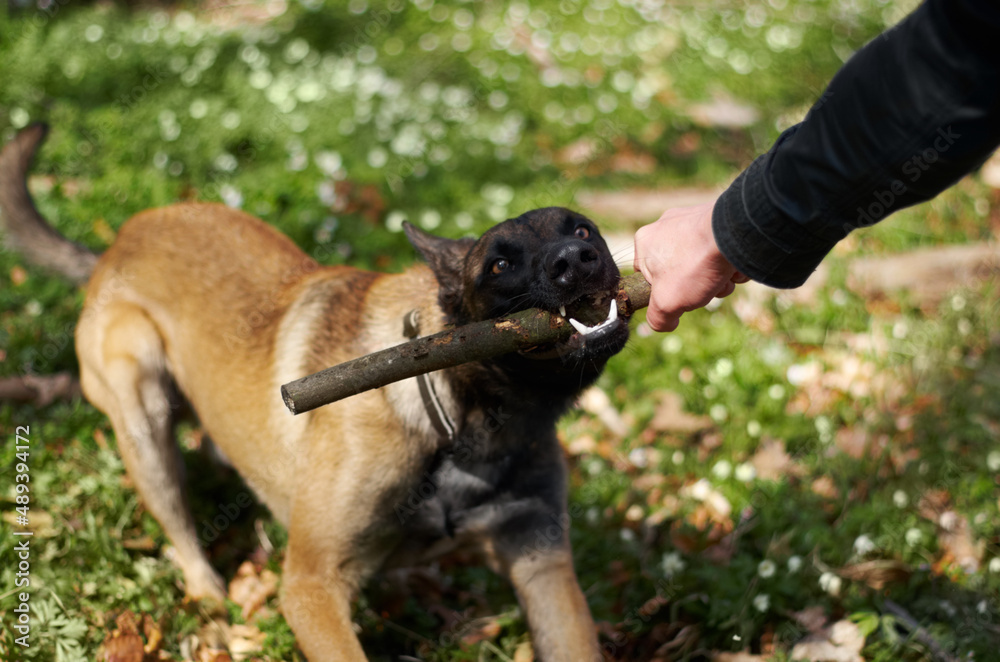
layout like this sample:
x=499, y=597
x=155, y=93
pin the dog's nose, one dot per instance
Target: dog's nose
x=571, y=263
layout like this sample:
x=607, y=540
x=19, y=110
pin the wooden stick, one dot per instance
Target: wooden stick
x=472, y=342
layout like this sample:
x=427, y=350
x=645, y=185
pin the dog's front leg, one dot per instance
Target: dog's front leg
x=316, y=602
x=562, y=629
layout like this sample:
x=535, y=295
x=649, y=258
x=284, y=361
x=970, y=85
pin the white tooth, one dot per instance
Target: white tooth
x=562, y=310
x=587, y=330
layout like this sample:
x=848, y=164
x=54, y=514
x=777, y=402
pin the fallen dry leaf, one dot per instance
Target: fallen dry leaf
x=210, y=643
x=687, y=144
x=39, y=521
x=250, y=590
x=843, y=374
x=363, y=199
x=717, y=505
x=539, y=55
x=647, y=482
x=772, y=462
x=481, y=630
x=154, y=636
x=127, y=623
x=711, y=517
x=955, y=537
x=122, y=647
x=813, y=619
x=630, y=160
x=825, y=487
x=752, y=305
x=877, y=573
x=671, y=417
x=853, y=441
x=841, y=642
x=961, y=548
x=708, y=443
x=143, y=543
x=933, y=503
x=524, y=652
x=742, y=656
x=125, y=644
x=578, y=152
x=753, y=302
x=596, y=402
x=725, y=112
x=18, y=275
x=213, y=655
x=582, y=445
x=245, y=640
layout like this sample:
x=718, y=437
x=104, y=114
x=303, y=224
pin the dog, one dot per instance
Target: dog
x=213, y=302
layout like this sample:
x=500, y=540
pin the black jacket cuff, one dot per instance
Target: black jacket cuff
x=757, y=238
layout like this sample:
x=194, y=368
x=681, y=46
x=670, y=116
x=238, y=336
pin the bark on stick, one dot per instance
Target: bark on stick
x=472, y=342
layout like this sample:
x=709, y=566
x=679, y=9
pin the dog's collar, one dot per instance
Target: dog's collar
x=440, y=420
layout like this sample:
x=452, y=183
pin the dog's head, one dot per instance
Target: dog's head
x=550, y=258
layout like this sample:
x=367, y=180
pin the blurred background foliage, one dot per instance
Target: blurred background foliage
x=335, y=121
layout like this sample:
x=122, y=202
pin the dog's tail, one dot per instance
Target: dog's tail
x=24, y=229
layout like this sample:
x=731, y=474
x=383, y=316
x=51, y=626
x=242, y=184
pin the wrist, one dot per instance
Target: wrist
x=757, y=239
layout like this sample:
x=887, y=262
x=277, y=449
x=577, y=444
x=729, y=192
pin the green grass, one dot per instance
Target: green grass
x=334, y=135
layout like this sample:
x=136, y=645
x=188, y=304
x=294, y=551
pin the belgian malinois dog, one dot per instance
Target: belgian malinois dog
x=216, y=304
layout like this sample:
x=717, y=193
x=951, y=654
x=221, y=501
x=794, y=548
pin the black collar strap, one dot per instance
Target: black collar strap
x=440, y=419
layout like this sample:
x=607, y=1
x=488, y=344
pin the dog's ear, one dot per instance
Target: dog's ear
x=446, y=258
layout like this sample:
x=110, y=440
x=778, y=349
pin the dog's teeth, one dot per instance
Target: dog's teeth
x=586, y=330
x=562, y=310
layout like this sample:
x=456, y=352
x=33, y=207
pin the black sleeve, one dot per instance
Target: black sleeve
x=906, y=117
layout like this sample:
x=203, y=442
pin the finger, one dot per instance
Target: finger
x=726, y=290
x=739, y=278
x=640, y=263
x=663, y=323
x=639, y=244
x=657, y=319
x=659, y=316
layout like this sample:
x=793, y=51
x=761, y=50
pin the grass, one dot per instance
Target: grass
x=336, y=121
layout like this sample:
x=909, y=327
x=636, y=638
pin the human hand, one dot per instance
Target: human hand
x=678, y=256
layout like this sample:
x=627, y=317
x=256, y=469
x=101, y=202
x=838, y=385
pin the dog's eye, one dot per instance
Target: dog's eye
x=582, y=231
x=500, y=266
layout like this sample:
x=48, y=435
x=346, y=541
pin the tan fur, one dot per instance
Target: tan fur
x=173, y=299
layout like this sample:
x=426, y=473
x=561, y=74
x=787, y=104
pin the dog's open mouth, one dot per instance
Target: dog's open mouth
x=599, y=329
x=600, y=337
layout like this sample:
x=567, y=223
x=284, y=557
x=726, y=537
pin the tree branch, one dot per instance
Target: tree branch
x=919, y=632
x=472, y=342
x=39, y=390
